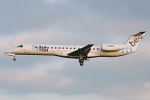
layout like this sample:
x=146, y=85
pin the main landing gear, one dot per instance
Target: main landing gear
x=81, y=60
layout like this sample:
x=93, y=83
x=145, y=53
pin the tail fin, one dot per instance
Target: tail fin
x=134, y=41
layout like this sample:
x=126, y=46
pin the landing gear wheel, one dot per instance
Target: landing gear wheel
x=81, y=64
x=14, y=59
x=81, y=60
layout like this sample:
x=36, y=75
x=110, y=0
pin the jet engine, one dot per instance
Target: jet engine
x=111, y=47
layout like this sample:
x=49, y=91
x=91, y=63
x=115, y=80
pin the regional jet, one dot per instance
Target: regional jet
x=80, y=52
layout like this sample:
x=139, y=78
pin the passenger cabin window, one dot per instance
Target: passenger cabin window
x=55, y=47
x=51, y=47
x=97, y=49
x=20, y=46
x=70, y=48
x=66, y=47
x=62, y=47
x=59, y=47
x=93, y=48
x=74, y=48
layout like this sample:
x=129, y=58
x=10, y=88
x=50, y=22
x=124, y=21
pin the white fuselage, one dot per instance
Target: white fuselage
x=64, y=50
x=80, y=52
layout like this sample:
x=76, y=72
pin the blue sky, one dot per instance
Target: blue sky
x=74, y=22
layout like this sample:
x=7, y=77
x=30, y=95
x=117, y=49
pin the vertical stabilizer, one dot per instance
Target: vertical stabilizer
x=134, y=41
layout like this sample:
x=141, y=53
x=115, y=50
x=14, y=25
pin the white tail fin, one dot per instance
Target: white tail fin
x=134, y=41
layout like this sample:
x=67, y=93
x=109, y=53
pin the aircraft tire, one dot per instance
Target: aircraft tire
x=14, y=59
x=81, y=64
x=81, y=60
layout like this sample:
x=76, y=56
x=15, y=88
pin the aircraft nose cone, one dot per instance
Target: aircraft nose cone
x=6, y=52
x=9, y=51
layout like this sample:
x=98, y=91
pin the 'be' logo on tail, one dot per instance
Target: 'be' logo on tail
x=133, y=43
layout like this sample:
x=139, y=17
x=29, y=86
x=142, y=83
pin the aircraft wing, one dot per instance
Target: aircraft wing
x=82, y=51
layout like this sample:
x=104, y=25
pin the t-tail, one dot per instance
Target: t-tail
x=134, y=40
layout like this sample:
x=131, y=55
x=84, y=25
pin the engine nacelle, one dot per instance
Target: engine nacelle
x=111, y=47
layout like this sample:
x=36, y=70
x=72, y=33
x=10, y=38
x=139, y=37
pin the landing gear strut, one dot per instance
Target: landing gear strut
x=81, y=60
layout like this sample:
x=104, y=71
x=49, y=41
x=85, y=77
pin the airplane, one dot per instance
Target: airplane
x=80, y=52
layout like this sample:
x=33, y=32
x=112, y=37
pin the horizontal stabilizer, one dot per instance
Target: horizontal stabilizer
x=140, y=33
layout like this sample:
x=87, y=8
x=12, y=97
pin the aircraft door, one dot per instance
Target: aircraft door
x=26, y=49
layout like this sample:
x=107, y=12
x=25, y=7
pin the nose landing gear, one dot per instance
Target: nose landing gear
x=14, y=59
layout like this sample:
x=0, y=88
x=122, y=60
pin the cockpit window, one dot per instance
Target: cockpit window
x=20, y=46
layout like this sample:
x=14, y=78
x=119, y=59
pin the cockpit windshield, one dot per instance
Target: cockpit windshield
x=20, y=46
